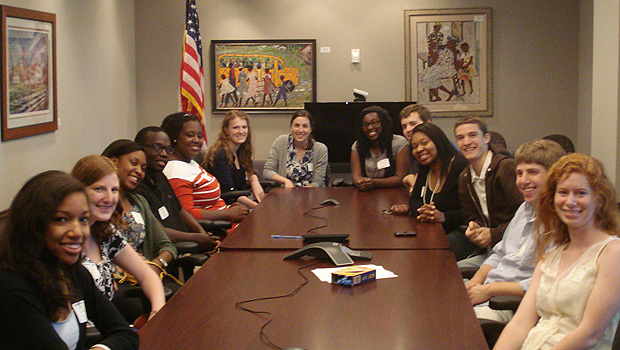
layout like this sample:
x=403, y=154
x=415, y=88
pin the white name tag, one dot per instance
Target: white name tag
x=578, y=274
x=163, y=212
x=310, y=166
x=80, y=311
x=137, y=217
x=383, y=163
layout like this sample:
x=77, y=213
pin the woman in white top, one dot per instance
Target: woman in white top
x=574, y=297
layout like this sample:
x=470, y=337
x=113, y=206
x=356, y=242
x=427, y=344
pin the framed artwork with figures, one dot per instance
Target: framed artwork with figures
x=448, y=60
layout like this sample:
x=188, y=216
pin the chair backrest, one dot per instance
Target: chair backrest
x=4, y=215
x=258, y=168
x=616, y=344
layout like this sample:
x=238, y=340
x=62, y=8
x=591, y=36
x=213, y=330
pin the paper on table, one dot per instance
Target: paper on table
x=325, y=275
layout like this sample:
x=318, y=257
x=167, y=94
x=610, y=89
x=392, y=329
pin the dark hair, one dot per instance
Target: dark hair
x=121, y=147
x=173, y=124
x=245, y=151
x=385, y=139
x=445, y=150
x=563, y=141
x=141, y=135
x=23, y=248
x=497, y=144
x=304, y=113
x=423, y=112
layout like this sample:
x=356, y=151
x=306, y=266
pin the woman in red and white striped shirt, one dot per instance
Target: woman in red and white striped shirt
x=197, y=190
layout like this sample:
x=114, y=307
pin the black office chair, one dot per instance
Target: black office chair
x=491, y=328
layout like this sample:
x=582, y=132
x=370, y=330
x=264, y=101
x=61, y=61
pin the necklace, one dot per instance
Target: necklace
x=428, y=185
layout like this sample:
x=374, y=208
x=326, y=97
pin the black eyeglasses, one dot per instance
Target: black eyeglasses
x=158, y=147
x=373, y=123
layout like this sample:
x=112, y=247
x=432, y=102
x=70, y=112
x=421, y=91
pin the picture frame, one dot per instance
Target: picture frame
x=448, y=60
x=275, y=76
x=29, y=102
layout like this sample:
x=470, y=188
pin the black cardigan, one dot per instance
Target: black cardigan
x=446, y=200
x=24, y=324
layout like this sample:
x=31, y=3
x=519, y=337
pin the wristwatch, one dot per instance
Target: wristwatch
x=163, y=262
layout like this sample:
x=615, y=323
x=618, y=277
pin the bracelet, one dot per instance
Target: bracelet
x=153, y=312
x=163, y=262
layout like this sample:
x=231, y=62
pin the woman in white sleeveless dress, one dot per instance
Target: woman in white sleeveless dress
x=574, y=297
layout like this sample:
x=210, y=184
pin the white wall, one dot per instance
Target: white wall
x=535, y=56
x=96, y=89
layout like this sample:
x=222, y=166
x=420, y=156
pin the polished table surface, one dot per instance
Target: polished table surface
x=425, y=307
x=360, y=215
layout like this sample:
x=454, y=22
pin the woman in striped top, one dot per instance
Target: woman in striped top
x=198, y=191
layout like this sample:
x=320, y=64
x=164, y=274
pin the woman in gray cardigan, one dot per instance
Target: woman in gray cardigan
x=296, y=159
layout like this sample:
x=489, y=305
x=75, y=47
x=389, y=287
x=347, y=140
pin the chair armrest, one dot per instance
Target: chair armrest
x=231, y=196
x=468, y=272
x=505, y=302
x=211, y=225
x=187, y=247
x=190, y=260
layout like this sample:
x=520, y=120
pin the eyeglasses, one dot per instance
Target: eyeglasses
x=158, y=147
x=374, y=124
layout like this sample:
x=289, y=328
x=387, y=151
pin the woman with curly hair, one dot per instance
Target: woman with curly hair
x=230, y=158
x=574, y=298
x=378, y=157
x=46, y=295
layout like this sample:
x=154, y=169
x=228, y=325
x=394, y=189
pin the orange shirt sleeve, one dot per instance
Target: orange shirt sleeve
x=184, y=191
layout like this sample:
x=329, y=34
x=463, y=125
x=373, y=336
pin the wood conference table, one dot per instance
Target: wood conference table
x=360, y=214
x=425, y=307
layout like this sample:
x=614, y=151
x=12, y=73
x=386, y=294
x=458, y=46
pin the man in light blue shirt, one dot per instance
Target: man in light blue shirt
x=509, y=268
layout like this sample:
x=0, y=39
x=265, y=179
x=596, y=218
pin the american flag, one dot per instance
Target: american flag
x=192, y=74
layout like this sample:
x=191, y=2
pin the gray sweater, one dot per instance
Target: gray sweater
x=276, y=162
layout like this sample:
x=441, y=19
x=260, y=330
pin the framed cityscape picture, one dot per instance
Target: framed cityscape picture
x=448, y=60
x=262, y=75
x=28, y=73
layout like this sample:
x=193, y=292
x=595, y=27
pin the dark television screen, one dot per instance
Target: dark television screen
x=334, y=124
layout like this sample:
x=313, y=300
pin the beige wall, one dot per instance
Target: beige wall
x=535, y=48
x=96, y=89
x=103, y=94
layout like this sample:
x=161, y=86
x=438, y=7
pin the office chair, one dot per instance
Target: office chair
x=491, y=328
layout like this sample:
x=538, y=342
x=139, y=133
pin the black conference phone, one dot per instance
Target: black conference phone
x=336, y=252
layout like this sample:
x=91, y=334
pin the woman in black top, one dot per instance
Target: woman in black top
x=46, y=295
x=434, y=197
x=230, y=159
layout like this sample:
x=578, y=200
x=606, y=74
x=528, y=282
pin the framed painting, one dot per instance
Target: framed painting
x=262, y=75
x=448, y=60
x=28, y=73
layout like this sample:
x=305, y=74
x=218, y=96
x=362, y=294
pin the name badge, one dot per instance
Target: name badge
x=137, y=217
x=383, y=163
x=578, y=273
x=163, y=212
x=80, y=311
x=310, y=166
